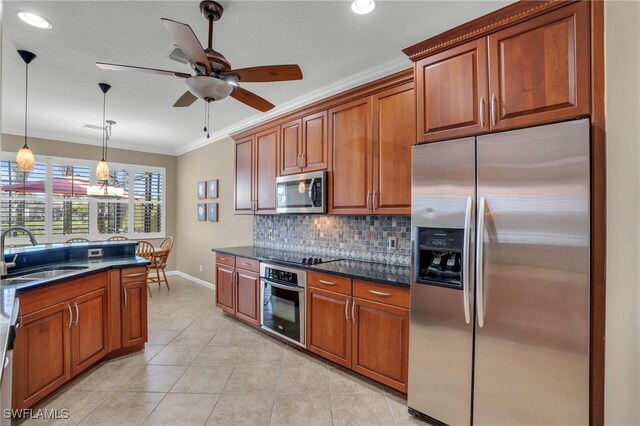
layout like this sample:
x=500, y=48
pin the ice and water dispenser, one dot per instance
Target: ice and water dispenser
x=439, y=257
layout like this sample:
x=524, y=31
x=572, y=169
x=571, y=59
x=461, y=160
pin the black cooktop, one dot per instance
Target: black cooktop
x=297, y=258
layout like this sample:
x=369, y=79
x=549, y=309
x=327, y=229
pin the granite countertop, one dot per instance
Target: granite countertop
x=378, y=272
x=11, y=290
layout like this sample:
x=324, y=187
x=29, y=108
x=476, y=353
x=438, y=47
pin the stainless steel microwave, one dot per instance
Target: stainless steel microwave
x=302, y=193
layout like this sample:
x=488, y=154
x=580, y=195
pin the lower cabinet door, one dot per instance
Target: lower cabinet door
x=329, y=325
x=89, y=330
x=248, y=293
x=134, y=313
x=381, y=342
x=225, y=289
x=42, y=362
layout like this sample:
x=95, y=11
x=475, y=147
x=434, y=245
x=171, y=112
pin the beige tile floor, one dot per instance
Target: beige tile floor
x=202, y=367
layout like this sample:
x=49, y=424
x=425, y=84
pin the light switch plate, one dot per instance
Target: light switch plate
x=97, y=252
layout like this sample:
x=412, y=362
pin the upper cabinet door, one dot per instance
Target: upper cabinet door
x=539, y=70
x=244, y=176
x=266, y=165
x=393, y=137
x=315, y=148
x=451, y=93
x=291, y=147
x=351, y=158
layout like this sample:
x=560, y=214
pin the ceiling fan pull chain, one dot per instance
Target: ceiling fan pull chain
x=205, y=118
x=208, y=104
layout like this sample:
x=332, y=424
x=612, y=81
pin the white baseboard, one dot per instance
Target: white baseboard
x=192, y=279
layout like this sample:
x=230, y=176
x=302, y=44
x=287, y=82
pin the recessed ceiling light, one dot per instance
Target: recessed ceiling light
x=362, y=7
x=34, y=20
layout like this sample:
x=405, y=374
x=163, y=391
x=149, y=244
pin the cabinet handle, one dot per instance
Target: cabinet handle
x=353, y=308
x=327, y=282
x=493, y=110
x=124, y=290
x=77, y=313
x=375, y=197
x=70, y=316
x=346, y=310
x=379, y=293
x=482, y=112
x=303, y=157
x=135, y=275
x=368, y=197
x=244, y=263
x=224, y=258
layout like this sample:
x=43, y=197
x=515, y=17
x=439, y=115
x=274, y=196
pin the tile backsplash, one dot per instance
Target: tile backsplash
x=350, y=237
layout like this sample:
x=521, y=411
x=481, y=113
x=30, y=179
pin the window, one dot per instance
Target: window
x=52, y=200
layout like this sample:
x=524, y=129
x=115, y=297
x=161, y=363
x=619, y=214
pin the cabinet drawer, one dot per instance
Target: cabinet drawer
x=329, y=282
x=132, y=275
x=248, y=264
x=225, y=259
x=382, y=293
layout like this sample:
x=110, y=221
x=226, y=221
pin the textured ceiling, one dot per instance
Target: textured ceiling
x=327, y=40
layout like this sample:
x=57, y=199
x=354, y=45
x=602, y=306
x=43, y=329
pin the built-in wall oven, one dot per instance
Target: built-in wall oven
x=302, y=193
x=283, y=295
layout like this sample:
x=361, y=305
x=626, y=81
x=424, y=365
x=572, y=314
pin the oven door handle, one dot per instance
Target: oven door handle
x=284, y=287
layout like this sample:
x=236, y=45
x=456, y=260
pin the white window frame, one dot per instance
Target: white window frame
x=93, y=202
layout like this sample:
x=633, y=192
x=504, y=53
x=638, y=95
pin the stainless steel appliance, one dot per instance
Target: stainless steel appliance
x=283, y=295
x=302, y=193
x=500, y=329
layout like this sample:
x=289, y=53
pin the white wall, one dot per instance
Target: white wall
x=622, y=357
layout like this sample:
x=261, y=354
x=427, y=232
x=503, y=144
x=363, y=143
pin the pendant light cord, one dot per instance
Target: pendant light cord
x=104, y=125
x=26, y=102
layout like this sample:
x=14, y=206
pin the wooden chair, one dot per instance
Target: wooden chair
x=117, y=238
x=160, y=264
x=77, y=240
x=145, y=249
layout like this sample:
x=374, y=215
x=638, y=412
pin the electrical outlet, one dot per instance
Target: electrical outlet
x=200, y=268
x=393, y=243
x=271, y=234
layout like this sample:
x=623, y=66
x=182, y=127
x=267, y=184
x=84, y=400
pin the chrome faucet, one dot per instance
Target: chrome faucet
x=6, y=265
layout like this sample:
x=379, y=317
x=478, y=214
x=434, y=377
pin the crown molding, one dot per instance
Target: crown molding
x=63, y=137
x=366, y=76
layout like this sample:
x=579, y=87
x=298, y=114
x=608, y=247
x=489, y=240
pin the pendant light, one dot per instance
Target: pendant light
x=102, y=171
x=25, y=160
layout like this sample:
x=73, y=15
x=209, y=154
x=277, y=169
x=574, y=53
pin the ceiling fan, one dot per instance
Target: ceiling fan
x=212, y=77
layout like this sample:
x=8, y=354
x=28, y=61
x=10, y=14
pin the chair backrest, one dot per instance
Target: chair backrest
x=77, y=240
x=117, y=238
x=145, y=249
x=167, y=244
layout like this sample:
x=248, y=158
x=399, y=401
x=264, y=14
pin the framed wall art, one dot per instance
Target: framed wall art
x=212, y=212
x=212, y=188
x=202, y=190
x=202, y=212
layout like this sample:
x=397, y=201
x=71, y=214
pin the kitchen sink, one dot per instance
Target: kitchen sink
x=51, y=273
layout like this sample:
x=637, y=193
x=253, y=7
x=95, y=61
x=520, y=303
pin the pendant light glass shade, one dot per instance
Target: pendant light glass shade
x=25, y=160
x=102, y=171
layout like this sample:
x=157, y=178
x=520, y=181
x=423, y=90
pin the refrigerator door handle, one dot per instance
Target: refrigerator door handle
x=479, y=260
x=465, y=260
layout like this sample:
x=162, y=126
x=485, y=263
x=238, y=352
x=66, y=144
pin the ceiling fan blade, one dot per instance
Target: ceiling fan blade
x=251, y=99
x=116, y=67
x=266, y=73
x=177, y=55
x=184, y=37
x=186, y=99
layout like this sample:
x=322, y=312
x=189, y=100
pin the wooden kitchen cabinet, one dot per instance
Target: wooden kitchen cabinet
x=238, y=288
x=244, y=176
x=248, y=295
x=266, y=170
x=381, y=342
x=328, y=325
x=303, y=145
x=351, y=157
x=134, y=313
x=42, y=358
x=291, y=147
x=225, y=280
x=89, y=332
x=393, y=138
x=451, y=89
x=539, y=70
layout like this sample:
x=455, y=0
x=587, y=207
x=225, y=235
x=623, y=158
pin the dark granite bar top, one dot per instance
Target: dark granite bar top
x=378, y=272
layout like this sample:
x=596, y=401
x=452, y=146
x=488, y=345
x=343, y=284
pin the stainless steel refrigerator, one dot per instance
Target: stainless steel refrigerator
x=500, y=329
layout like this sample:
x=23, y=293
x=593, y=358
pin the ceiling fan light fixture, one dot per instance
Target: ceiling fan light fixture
x=34, y=20
x=209, y=87
x=362, y=7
